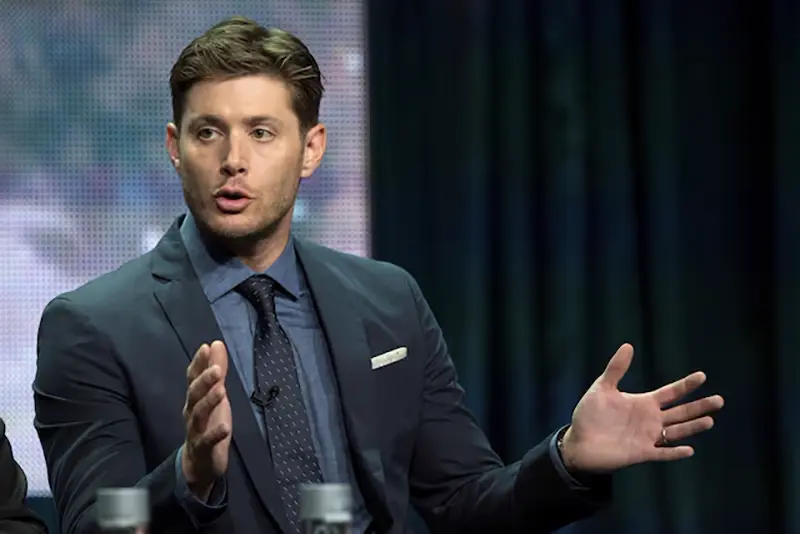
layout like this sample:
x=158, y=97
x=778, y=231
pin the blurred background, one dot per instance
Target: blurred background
x=561, y=177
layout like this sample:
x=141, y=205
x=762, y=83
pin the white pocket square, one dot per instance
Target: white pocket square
x=386, y=358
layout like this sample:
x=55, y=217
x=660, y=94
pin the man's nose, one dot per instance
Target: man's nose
x=235, y=161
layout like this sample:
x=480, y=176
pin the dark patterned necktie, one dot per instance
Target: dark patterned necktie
x=285, y=416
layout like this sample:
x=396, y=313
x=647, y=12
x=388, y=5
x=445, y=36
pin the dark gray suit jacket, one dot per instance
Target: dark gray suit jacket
x=111, y=383
x=15, y=517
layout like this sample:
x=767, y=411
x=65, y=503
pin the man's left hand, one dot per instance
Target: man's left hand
x=611, y=429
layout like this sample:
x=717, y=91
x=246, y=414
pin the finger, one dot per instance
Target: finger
x=692, y=410
x=199, y=362
x=670, y=454
x=679, y=389
x=688, y=429
x=219, y=356
x=617, y=366
x=201, y=385
x=210, y=437
x=215, y=435
x=201, y=412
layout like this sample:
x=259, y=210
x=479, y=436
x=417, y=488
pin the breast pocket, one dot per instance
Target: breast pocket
x=389, y=358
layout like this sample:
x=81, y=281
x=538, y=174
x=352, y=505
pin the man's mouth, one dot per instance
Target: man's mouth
x=231, y=200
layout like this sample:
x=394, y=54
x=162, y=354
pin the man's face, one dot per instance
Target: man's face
x=241, y=156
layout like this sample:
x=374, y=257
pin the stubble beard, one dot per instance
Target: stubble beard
x=238, y=240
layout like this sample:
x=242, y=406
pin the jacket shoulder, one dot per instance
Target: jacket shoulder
x=111, y=290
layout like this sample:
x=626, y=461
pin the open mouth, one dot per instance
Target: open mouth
x=232, y=201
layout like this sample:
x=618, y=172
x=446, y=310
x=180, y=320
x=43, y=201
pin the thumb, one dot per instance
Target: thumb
x=617, y=366
x=219, y=356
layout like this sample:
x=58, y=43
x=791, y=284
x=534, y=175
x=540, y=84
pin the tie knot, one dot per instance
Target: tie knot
x=260, y=291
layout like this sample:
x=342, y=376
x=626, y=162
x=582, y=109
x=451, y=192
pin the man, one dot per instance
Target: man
x=235, y=361
x=15, y=517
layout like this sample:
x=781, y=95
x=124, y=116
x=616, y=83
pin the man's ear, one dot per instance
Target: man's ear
x=314, y=149
x=172, y=144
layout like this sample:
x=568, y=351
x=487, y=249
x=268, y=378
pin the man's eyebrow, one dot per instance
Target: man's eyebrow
x=207, y=119
x=219, y=122
x=263, y=119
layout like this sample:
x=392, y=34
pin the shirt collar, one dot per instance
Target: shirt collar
x=219, y=272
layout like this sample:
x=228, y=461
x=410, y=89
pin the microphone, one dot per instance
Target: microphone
x=326, y=508
x=123, y=510
x=262, y=400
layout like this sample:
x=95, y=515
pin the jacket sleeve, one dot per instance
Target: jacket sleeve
x=86, y=421
x=458, y=482
x=15, y=517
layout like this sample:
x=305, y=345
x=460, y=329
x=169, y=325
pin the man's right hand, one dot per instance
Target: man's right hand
x=207, y=414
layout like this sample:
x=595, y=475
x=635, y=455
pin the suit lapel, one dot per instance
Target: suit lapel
x=188, y=311
x=350, y=353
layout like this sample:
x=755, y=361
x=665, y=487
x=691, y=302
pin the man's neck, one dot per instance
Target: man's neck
x=261, y=254
x=258, y=253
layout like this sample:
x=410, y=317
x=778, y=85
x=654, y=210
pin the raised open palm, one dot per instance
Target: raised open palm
x=612, y=429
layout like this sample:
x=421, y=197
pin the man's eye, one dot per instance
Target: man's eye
x=205, y=133
x=262, y=134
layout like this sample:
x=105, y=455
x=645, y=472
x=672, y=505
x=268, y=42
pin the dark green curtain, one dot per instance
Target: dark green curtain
x=563, y=176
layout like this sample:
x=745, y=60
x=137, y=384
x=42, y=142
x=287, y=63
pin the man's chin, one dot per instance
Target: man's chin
x=235, y=232
x=239, y=228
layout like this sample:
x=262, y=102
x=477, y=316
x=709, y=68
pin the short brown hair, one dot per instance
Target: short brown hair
x=236, y=47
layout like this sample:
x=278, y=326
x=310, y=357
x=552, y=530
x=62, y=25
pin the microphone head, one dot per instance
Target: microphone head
x=326, y=503
x=121, y=508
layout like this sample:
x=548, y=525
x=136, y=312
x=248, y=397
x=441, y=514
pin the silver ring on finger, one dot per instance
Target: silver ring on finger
x=662, y=441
